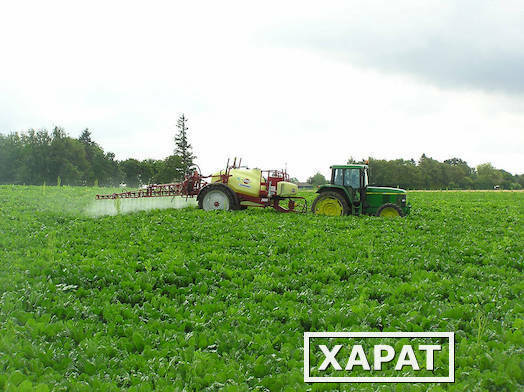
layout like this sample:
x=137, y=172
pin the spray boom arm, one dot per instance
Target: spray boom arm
x=191, y=186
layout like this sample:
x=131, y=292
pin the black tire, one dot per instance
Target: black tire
x=345, y=209
x=389, y=207
x=231, y=196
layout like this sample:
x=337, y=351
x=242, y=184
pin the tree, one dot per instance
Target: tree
x=85, y=137
x=11, y=159
x=131, y=170
x=488, y=176
x=183, y=149
x=66, y=159
x=168, y=170
x=433, y=176
x=458, y=173
x=108, y=169
x=149, y=169
x=317, y=179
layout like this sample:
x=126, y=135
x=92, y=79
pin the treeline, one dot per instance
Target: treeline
x=38, y=157
x=428, y=173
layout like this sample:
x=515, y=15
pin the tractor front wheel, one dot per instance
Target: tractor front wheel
x=389, y=210
x=330, y=204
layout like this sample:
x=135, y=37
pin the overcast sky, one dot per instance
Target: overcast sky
x=307, y=84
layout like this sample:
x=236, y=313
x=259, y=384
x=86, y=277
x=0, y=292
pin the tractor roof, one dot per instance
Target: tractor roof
x=350, y=166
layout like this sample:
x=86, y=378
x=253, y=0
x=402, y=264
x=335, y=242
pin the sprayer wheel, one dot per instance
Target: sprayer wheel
x=217, y=197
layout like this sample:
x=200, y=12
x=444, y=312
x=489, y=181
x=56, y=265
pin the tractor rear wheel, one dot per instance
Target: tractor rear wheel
x=330, y=204
x=389, y=210
x=217, y=197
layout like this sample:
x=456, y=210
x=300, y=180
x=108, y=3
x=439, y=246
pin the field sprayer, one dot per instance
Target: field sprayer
x=348, y=193
x=237, y=187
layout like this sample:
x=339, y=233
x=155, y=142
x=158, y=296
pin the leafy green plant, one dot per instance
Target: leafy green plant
x=194, y=300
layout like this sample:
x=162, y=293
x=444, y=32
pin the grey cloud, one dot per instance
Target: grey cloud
x=473, y=45
x=445, y=63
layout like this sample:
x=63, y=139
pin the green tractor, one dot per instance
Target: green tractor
x=348, y=193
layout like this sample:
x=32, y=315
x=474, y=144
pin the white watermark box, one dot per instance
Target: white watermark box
x=357, y=357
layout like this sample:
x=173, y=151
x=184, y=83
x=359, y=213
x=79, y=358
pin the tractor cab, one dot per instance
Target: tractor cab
x=348, y=193
x=354, y=178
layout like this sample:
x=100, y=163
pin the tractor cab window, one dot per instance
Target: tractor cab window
x=352, y=178
x=338, y=177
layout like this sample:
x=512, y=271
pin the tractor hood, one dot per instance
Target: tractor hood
x=384, y=190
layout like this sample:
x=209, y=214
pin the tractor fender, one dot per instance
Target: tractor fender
x=232, y=195
x=327, y=188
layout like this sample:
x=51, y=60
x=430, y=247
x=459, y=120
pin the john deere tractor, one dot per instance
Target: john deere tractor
x=348, y=193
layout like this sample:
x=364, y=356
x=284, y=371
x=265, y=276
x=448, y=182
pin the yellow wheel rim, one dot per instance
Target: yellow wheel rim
x=389, y=212
x=329, y=206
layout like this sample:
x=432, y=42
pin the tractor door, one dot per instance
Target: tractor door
x=352, y=183
x=349, y=179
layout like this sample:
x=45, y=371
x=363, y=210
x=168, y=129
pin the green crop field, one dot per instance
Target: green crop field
x=192, y=300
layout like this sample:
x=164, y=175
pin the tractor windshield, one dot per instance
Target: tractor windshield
x=352, y=178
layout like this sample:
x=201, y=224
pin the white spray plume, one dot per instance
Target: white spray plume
x=125, y=206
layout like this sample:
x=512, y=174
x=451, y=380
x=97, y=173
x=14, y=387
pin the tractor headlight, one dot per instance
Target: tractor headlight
x=403, y=201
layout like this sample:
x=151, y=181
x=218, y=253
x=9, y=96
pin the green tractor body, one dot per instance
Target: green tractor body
x=348, y=193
